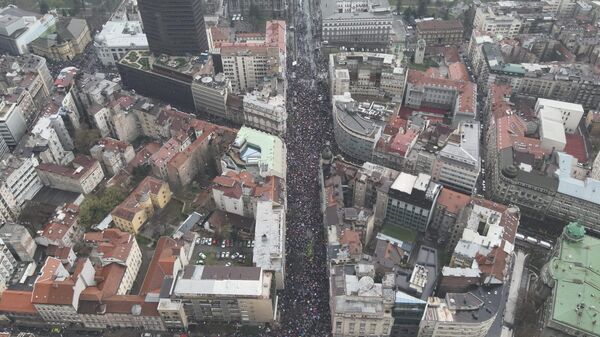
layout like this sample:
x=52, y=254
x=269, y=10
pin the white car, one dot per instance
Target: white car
x=228, y=264
x=226, y=255
x=202, y=256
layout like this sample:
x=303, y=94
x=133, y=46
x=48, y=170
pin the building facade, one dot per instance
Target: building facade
x=117, y=38
x=440, y=32
x=358, y=30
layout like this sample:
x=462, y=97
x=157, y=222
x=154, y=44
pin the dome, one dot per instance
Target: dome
x=510, y=171
x=365, y=283
x=574, y=231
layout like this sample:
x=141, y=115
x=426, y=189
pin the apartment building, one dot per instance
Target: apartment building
x=82, y=175
x=217, y=293
x=457, y=164
x=139, y=206
x=488, y=19
x=50, y=140
x=112, y=154
x=70, y=38
x=19, y=182
x=12, y=123
x=211, y=94
x=63, y=229
x=8, y=264
x=265, y=109
x=19, y=241
x=114, y=246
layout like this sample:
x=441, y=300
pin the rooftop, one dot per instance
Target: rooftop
x=121, y=34
x=198, y=280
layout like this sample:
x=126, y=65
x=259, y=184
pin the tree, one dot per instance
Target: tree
x=85, y=138
x=95, y=208
x=422, y=8
x=255, y=16
x=139, y=173
x=398, y=6
x=44, y=7
x=75, y=7
x=408, y=13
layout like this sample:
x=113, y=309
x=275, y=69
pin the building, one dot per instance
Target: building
x=114, y=246
x=265, y=110
x=50, y=141
x=359, y=306
x=257, y=152
x=217, y=293
x=174, y=27
x=457, y=164
x=411, y=200
x=448, y=208
x=274, y=8
x=364, y=73
x=19, y=241
x=269, y=237
x=18, y=28
x=569, y=114
x=210, y=96
x=420, y=51
x=565, y=290
x=248, y=64
x=12, y=123
x=8, y=265
x=164, y=77
x=357, y=126
x=358, y=30
x=117, y=38
x=408, y=311
x=69, y=40
x=139, y=206
x=63, y=229
x=487, y=19
x=112, y=154
x=440, y=32
x=19, y=182
x=469, y=314
x=82, y=175
x=543, y=182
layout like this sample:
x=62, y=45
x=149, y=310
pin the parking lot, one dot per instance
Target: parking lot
x=229, y=243
x=212, y=251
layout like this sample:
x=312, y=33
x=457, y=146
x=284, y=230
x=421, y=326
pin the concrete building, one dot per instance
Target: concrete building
x=460, y=314
x=408, y=312
x=210, y=96
x=411, y=200
x=448, y=208
x=357, y=126
x=62, y=230
x=358, y=30
x=496, y=23
x=265, y=110
x=369, y=74
x=112, y=154
x=569, y=114
x=457, y=164
x=217, y=294
x=247, y=66
x=12, y=123
x=82, y=175
x=565, y=289
x=174, y=27
x=19, y=241
x=543, y=183
x=359, y=306
x=19, y=182
x=440, y=32
x=18, y=28
x=140, y=205
x=117, y=38
x=269, y=237
x=69, y=40
x=51, y=141
x=8, y=265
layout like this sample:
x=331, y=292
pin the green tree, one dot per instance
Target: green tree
x=75, y=7
x=256, y=18
x=95, y=208
x=408, y=13
x=398, y=6
x=85, y=138
x=139, y=173
x=44, y=7
x=422, y=8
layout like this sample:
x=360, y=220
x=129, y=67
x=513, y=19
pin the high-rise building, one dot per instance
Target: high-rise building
x=174, y=27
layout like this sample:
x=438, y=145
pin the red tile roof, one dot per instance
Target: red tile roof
x=576, y=147
x=71, y=171
x=453, y=201
x=439, y=25
x=457, y=71
x=160, y=266
x=111, y=243
x=51, y=289
x=17, y=302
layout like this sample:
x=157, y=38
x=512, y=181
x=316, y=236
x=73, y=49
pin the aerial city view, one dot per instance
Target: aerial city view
x=300, y=168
